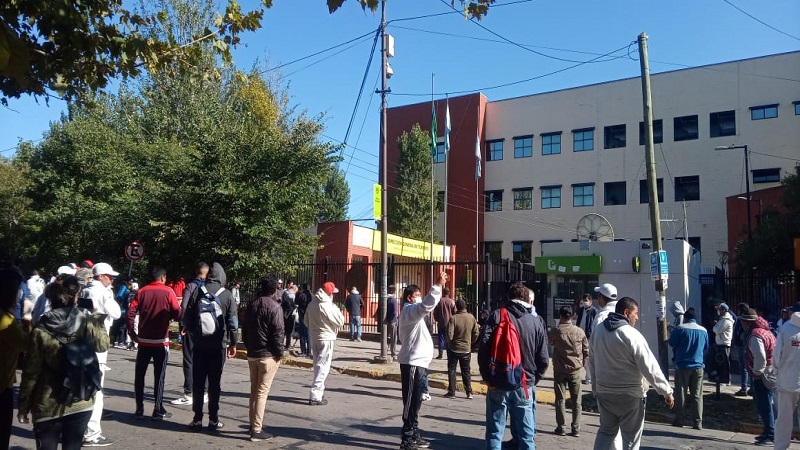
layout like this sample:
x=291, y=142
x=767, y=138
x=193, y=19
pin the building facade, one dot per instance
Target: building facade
x=550, y=159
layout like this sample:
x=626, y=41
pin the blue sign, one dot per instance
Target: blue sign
x=659, y=268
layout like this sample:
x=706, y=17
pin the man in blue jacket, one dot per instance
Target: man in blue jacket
x=689, y=344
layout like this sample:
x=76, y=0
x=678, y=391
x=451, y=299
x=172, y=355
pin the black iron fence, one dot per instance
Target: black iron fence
x=769, y=293
x=481, y=284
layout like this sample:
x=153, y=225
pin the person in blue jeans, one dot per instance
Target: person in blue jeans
x=518, y=401
x=739, y=338
x=758, y=357
x=355, y=305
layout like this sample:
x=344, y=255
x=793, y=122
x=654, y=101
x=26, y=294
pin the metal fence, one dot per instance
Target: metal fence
x=481, y=284
x=769, y=293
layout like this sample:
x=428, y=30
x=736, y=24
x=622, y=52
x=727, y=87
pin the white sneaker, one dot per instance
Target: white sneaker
x=183, y=400
x=426, y=397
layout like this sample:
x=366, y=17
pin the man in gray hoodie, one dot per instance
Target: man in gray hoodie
x=210, y=351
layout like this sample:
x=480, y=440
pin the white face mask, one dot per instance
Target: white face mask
x=585, y=304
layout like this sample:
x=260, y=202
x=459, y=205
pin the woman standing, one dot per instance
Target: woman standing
x=56, y=419
x=14, y=341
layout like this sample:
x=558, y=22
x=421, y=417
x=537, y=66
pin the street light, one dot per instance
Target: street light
x=747, y=182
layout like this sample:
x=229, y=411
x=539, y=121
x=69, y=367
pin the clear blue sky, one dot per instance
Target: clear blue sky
x=465, y=57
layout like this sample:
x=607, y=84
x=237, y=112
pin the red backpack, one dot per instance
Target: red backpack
x=506, y=372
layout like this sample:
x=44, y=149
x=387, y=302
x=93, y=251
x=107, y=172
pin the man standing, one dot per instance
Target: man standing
x=391, y=321
x=442, y=314
x=758, y=359
x=262, y=332
x=354, y=305
x=156, y=305
x=201, y=273
x=287, y=303
x=98, y=292
x=323, y=320
x=570, y=351
x=584, y=319
x=519, y=402
x=738, y=340
x=210, y=351
x=462, y=333
x=415, y=356
x=621, y=362
x=787, y=364
x=302, y=300
x=689, y=343
x=607, y=300
x=723, y=335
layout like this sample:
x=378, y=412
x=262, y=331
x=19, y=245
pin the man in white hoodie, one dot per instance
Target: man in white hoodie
x=415, y=356
x=786, y=361
x=723, y=331
x=623, y=365
x=323, y=320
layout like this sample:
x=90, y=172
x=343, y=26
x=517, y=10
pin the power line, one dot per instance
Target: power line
x=761, y=21
x=454, y=11
x=317, y=53
x=325, y=58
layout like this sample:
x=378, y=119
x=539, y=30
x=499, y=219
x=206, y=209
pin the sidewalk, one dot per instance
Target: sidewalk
x=358, y=359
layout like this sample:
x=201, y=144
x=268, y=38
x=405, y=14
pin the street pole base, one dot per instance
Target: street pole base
x=382, y=359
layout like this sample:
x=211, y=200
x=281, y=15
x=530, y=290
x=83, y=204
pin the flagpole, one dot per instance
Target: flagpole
x=446, y=174
x=477, y=210
x=434, y=134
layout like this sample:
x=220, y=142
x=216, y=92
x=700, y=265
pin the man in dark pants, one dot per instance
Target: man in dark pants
x=200, y=280
x=391, y=321
x=442, y=314
x=156, y=305
x=210, y=352
x=462, y=333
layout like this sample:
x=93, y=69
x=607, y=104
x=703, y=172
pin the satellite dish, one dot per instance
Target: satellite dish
x=594, y=227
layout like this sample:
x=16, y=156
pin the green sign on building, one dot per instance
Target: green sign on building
x=568, y=264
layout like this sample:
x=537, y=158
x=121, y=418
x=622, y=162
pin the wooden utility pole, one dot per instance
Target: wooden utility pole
x=652, y=194
x=383, y=181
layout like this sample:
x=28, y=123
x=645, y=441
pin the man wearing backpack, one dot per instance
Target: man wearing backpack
x=156, y=305
x=210, y=321
x=415, y=356
x=512, y=338
x=200, y=279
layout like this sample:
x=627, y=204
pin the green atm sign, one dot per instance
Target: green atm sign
x=568, y=264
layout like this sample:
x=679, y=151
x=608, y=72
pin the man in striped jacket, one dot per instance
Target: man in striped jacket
x=156, y=304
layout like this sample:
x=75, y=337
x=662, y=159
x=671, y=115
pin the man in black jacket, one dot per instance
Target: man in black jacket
x=302, y=300
x=263, y=335
x=520, y=402
x=210, y=351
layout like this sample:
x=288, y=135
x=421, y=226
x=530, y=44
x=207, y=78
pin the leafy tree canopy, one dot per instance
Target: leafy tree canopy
x=75, y=47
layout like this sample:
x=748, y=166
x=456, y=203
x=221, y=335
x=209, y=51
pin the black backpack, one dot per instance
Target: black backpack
x=82, y=375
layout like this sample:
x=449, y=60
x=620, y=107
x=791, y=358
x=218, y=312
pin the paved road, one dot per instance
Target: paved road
x=362, y=414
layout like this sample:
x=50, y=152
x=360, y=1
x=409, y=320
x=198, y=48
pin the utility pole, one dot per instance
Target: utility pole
x=383, y=182
x=652, y=193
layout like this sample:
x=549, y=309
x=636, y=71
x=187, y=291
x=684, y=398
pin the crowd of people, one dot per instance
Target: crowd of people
x=76, y=316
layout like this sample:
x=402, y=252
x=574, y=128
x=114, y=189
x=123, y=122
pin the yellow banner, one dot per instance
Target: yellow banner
x=376, y=201
x=411, y=248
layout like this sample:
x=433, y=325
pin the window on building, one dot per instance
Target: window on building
x=551, y=143
x=765, y=112
x=614, y=136
x=523, y=146
x=694, y=241
x=551, y=197
x=797, y=108
x=523, y=198
x=643, y=197
x=522, y=251
x=615, y=193
x=685, y=128
x=494, y=201
x=658, y=132
x=687, y=188
x=583, y=140
x=494, y=150
x=583, y=194
x=494, y=249
x=440, y=202
x=767, y=175
x=722, y=123
x=440, y=156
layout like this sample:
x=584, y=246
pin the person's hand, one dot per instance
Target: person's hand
x=669, y=400
x=231, y=352
x=442, y=280
x=183, y=332
x=23, y=418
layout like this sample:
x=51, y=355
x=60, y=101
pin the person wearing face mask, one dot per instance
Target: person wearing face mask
x=623, y=365
x=584, y=320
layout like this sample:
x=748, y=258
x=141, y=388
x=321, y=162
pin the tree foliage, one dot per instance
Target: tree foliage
x=771, y=251
x=409, y=210
x=13, y=208
x=76, y=47
x=336, y=196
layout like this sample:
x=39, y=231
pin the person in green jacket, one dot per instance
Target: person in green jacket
x=462, y=334
x=14, y=340
x=55, y=421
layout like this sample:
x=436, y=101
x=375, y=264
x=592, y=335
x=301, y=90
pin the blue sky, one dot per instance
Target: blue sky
x=531, y=39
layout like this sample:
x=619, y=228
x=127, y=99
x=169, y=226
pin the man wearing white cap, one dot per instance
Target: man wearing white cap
x=99, y=292
x=607, y=300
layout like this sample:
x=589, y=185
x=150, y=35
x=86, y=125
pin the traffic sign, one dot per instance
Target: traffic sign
x=134, y=251
x=659, y=267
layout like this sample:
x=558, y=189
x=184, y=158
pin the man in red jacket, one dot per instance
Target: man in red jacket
x=156, y=304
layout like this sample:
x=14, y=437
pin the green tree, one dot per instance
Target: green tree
x=14, y=210
x=75, y=47
x=336, y=196
x=771, y=251
x=409, y=206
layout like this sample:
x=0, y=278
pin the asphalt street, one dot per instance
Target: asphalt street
x=362, y=414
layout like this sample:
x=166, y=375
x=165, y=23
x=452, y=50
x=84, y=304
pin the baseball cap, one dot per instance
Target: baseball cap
x=329, y=288
x=725, y=307
x=750, y=316
x=608, y=290
x=104, y=269
x=796, y=307
x=87, y=264
x=83, y=273
x=65, y=270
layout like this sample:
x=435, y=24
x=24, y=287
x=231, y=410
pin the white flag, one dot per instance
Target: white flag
x=447, y=129
x=477, y=155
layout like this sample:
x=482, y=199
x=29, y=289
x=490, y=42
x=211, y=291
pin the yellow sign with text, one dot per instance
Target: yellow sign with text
x=401, y=246
x=377, y=204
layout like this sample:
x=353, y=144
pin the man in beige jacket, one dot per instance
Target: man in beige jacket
x=323, y=320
